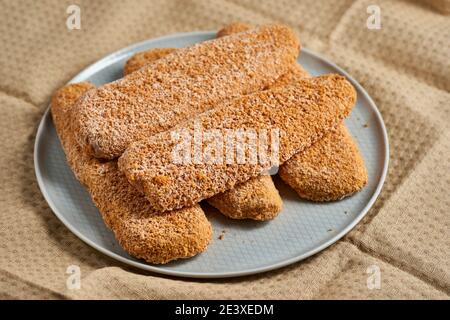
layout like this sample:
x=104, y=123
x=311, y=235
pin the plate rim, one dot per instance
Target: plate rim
x=127, y=51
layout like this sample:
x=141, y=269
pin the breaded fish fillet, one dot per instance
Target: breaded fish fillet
x=181, y=85
x=234, y=27
x=330, y=169
x=256, y=199
x=141, y=59
x=154, y=237
x=303, y=113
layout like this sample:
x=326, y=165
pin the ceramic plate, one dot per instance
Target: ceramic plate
x=247, y=247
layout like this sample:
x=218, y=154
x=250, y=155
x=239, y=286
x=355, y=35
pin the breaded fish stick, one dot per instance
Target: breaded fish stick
x=156, y=238
x=329, y=170
x=181, y=85
x=256, y=199
x=303, y=113
x=233, y=28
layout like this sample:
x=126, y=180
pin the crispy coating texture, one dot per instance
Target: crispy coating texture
x=303, y=113
x=295, y=71
x=233, y=28
x=256, y=199
x=330, y=169
x=181, y=85
x=141, y=59
x=154, y=237
x=63, y=100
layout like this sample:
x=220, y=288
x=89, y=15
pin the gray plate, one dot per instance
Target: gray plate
x=248, y=247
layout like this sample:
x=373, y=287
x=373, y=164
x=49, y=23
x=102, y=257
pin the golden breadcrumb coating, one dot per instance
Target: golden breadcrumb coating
x=303, y=113
x=256, y=199
x=330, y=169
x=141, y=59
x=63, y=100
x=154, y=237
x=181, y=85
x=234, y=27
x=296, y=71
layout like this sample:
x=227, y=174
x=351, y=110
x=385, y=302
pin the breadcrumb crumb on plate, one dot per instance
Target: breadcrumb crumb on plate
x=248, y=247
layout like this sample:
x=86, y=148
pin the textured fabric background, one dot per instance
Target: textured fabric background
x=405, y=67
